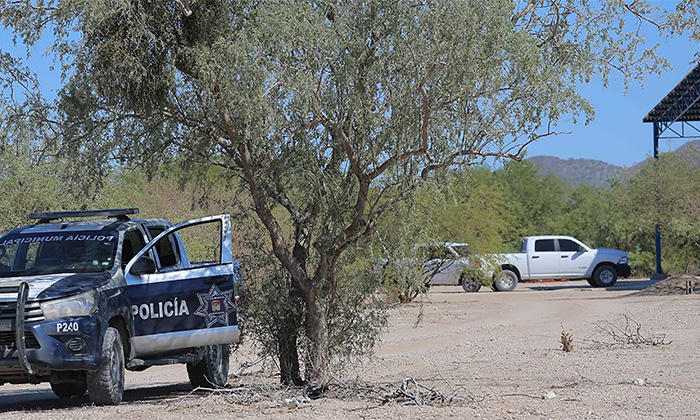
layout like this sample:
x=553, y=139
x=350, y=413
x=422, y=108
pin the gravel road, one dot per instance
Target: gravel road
x=499, y=351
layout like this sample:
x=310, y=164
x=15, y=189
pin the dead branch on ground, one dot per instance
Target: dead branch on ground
x=626, y=331
x=409, y=392
x=242, y=395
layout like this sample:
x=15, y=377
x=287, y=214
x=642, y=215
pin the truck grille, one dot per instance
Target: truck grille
x=32, y=311
x=7, y=340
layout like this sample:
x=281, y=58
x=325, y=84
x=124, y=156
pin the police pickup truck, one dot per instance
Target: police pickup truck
x=83, y=300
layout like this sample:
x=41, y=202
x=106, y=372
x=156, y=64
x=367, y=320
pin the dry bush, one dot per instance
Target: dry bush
x=625, y=331
x=566, y=340
x=409, y=392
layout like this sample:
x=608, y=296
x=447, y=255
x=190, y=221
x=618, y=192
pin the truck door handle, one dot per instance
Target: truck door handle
x=216, y=280
x=534, y=257
x=565, y=256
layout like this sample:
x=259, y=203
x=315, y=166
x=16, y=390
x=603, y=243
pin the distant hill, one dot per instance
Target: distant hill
x=596, y=172
x=690, y=150
x=576, y=171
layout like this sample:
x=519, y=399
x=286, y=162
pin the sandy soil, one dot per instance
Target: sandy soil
x=499, y=350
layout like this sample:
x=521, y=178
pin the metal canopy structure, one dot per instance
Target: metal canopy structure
x=673, y=118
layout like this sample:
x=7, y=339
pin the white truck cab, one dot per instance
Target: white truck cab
x=561, y=257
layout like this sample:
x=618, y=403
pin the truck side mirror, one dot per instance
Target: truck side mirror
x=582, y=249
x=143, y=265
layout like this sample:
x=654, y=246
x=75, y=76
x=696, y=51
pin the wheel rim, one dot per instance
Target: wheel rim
x=505, y=281
x=469, y=283
x=606, y=277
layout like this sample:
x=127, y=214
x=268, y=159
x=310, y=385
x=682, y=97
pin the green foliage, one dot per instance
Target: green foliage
x=479, y=270
x=29, y=187
x=359, y=311
x=467, y=206
x=642, y=263
x=273, y=310
x=532, y=202
x=393, y=249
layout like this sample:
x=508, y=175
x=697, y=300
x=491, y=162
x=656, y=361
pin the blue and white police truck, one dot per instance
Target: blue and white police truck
x=85, y=295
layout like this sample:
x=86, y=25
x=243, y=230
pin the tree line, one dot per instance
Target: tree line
x=492, y=209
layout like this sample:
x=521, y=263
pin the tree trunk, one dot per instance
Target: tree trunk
x=316, y=325
x=287, y=341
x=288, y=344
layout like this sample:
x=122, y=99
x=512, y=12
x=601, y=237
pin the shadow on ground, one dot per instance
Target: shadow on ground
x=44, y=399
x=621, y=285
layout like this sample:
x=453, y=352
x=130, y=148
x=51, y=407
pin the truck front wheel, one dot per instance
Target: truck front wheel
x=106, y=384
x=212, y=370
x=605, y=276
x=505, y=281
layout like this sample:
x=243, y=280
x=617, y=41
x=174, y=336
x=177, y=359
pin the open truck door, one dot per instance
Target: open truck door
x=191, y=303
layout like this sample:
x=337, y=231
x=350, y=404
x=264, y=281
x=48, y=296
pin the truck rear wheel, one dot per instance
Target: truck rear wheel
x=212, y=370
x=505, y=281
x=69, y=389
x=605, y=276
x=469, y=284
x=106, y=384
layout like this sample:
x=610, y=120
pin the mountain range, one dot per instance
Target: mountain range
x=590, y=171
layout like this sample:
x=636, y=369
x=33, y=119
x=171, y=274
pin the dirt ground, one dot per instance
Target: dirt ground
x=499, y=351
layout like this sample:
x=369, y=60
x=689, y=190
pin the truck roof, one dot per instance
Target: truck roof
x=549, y=237
x=88, y=225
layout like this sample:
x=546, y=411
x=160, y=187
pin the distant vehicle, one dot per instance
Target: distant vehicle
x=560, y=257
x=445, y=265
x=81, y=301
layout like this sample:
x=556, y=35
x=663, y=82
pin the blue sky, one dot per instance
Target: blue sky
x=616, y=135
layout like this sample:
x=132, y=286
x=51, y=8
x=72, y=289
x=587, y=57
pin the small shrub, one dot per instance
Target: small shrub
x=566, y=340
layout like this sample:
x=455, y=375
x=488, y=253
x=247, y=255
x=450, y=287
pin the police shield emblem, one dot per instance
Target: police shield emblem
x=215, y=307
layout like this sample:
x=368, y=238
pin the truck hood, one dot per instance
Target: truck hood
x=52, y=286
x=611, y=252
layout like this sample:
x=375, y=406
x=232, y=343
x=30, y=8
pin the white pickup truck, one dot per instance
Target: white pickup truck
x=560, y=257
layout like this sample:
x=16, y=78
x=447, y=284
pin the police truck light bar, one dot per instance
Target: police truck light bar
x=45, y=217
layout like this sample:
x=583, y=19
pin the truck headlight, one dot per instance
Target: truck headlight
x=79, y=305
x=622, y=260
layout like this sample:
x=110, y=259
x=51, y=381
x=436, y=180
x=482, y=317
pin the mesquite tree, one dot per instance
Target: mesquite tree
x=332, y=110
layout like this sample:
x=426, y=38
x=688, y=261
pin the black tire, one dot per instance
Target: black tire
x=505, y=281
x=69, y=389
x=469, y=284
x=212, y=370
x=591, y=282
x=106, y=384
x=605, y=276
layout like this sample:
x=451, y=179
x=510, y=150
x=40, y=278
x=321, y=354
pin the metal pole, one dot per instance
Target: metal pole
x=659, y=271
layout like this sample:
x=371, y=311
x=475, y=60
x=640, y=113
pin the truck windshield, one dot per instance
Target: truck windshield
x=462, y=250
x=59, y=252
x=523, y=246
